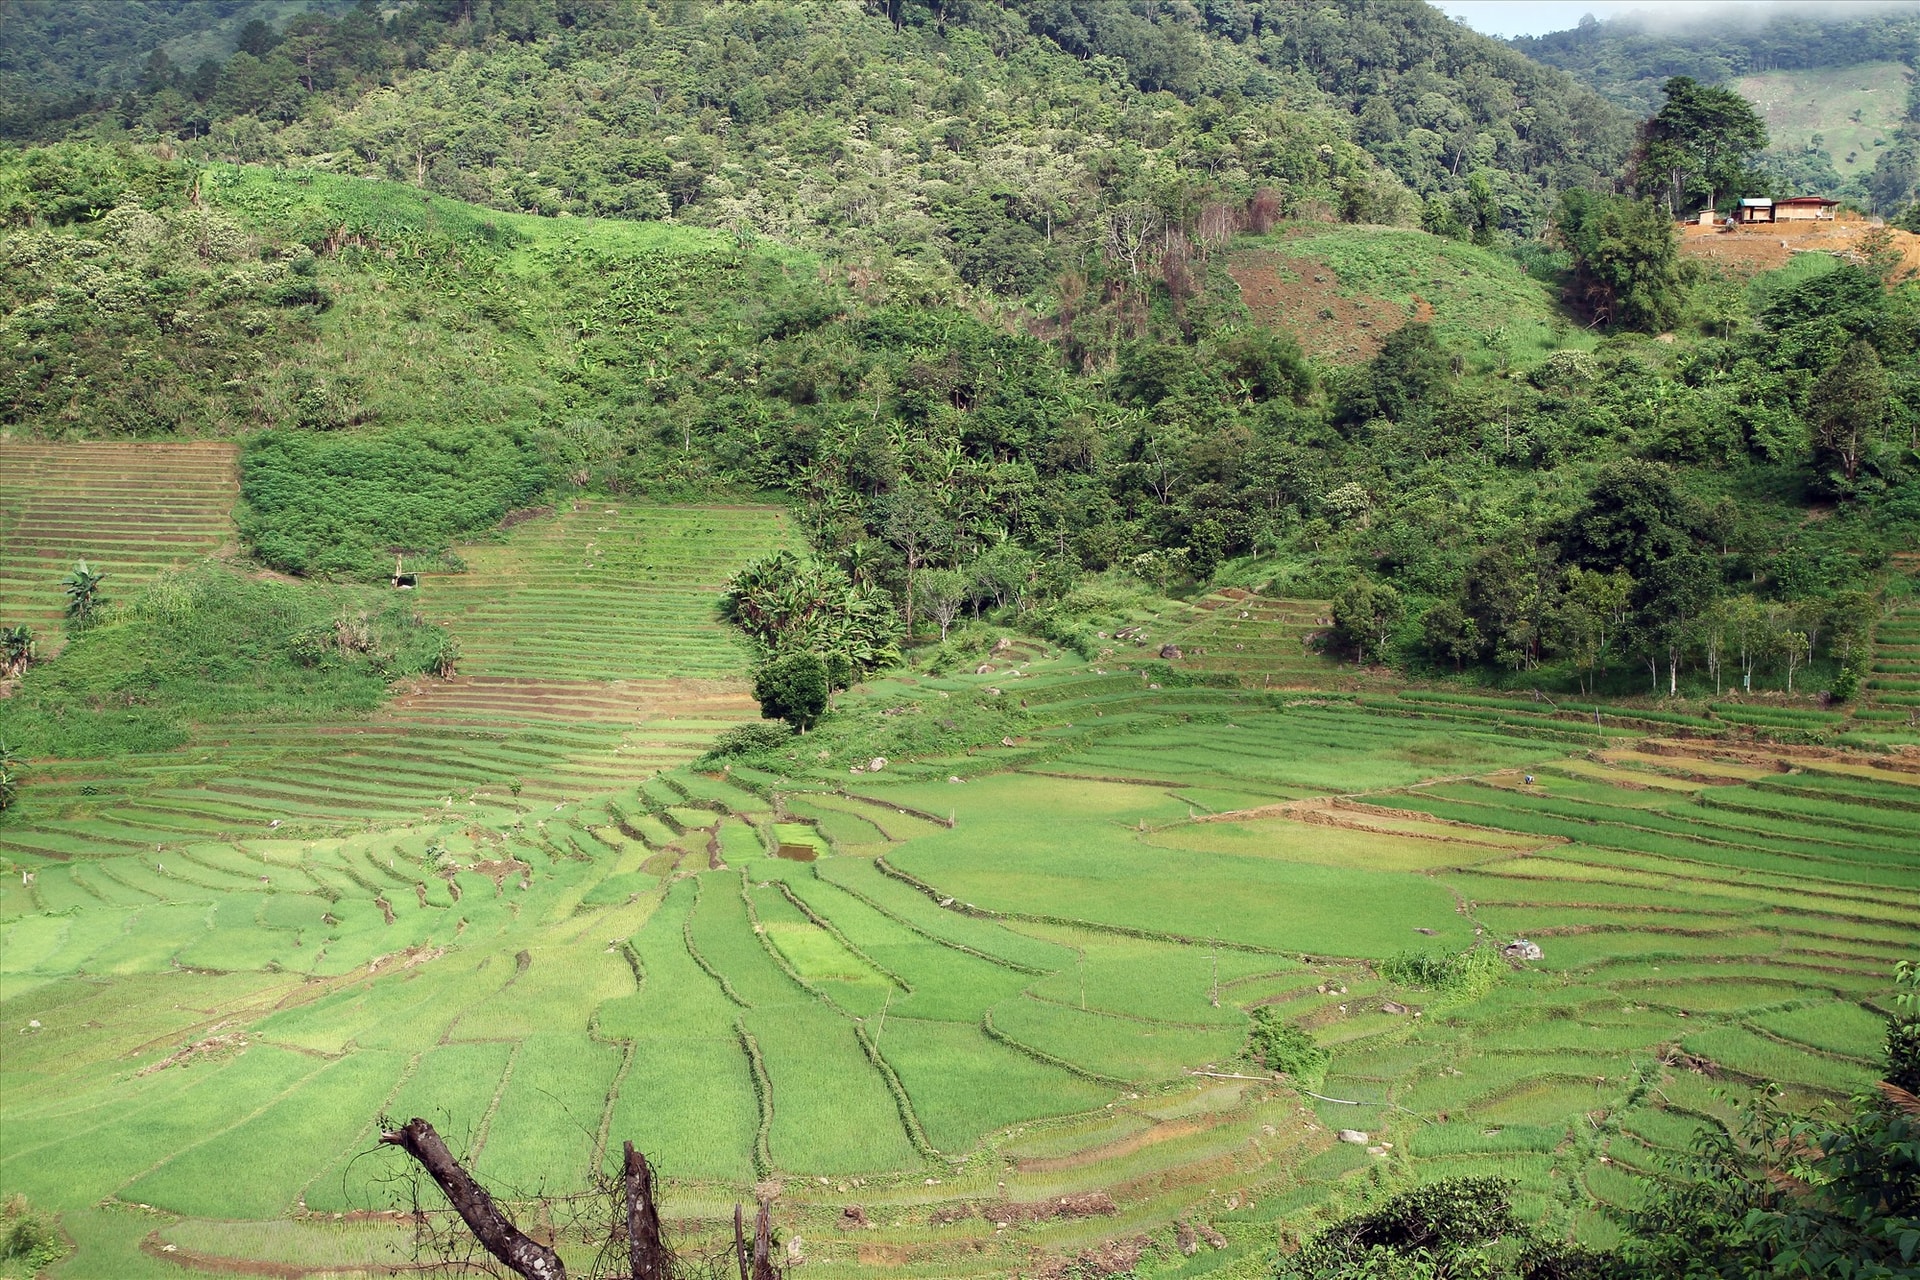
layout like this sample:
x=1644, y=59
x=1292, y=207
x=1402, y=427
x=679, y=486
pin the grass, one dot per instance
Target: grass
x=1347, y=287
x=965, y=1085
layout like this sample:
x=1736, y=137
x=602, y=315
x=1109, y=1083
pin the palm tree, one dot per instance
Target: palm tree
x=83, y=593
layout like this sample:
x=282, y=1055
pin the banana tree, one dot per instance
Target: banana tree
x=83, y=593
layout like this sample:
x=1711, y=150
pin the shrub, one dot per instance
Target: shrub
x=340, y=505
x=1453, y=1227
x=744, y=740
x=1466, y=974
x=1285, y=1047
x=27, y=1236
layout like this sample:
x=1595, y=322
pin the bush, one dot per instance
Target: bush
x=28, y=1237
x=1466, y=974
x=744, y=740
x=1281, y=1046
x=1453, y=1227
x=341, y=505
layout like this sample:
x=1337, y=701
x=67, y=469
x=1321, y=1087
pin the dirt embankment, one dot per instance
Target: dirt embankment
x=1748, y=250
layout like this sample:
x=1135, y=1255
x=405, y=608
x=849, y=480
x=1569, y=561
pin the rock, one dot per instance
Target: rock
x=1394, y=1006
x=1003, y=644
x=1429, y=932
x=1169, y=650
x=853, y=1216
x=1006, y=742
x=876, y=764
x=795, y=1254
x=1376, y=1151
x=1185, y=1240
x=983, y=669
x=1355, y=1136
x=1521, y=949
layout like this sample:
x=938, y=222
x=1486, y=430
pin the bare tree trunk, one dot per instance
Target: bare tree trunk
x=646, y=1249
x=522, y=1254
x=763, y=1246
x=740, y=1243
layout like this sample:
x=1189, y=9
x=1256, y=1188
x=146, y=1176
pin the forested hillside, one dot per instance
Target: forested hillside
x=1001, y=143
x=1838, y=83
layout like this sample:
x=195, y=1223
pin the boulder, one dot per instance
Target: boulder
x=1355, y=1136
x=1169, y=650
x=1522, y=949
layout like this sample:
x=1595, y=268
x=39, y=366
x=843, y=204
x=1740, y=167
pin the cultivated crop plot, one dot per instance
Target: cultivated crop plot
x=896, y=988
x=130, y=510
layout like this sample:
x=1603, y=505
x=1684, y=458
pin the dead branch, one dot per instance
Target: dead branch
x=522, y=1254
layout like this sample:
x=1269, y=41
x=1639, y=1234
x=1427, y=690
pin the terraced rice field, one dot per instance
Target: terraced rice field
x=539, y=979
x=128, y=509
x=1893, y=682
x=996, y=995
x=1255, y=638
x=605, y=590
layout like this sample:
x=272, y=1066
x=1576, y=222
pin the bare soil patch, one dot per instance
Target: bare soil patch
x=1302, y=297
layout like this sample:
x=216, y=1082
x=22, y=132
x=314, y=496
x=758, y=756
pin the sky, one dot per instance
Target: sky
x=1537, y=17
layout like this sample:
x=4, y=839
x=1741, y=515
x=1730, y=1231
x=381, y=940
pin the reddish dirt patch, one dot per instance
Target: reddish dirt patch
x=1302, y=297
x=1749, y=250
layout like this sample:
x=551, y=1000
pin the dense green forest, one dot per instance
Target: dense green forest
x=408, y=371
x=1004, y=144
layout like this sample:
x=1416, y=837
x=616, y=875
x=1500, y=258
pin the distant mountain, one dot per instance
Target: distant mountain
x=1628, y=58
x=1836, y=86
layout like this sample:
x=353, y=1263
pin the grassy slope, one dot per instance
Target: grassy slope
x=1798, y=104
x=1374, y=279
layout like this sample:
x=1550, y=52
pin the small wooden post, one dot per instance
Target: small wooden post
x=740, y=1241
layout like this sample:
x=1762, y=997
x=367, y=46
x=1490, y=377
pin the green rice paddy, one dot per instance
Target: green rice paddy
x=505, y=903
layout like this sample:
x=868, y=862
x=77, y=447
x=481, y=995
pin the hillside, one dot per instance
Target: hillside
x=1084, y=640
x=987, y=143
x=1834, y=83
x=1627, y=58
x=1851, y=113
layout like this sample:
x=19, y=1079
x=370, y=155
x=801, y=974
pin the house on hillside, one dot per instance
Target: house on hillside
x=1804, y=209
x=1754, y=209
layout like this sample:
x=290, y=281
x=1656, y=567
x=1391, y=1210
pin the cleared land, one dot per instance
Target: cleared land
x=1340, y=290
x=1853, y=110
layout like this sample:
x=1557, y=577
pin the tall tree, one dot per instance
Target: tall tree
x=1626, y=259
x=1700, y=143
x=1848, y=406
